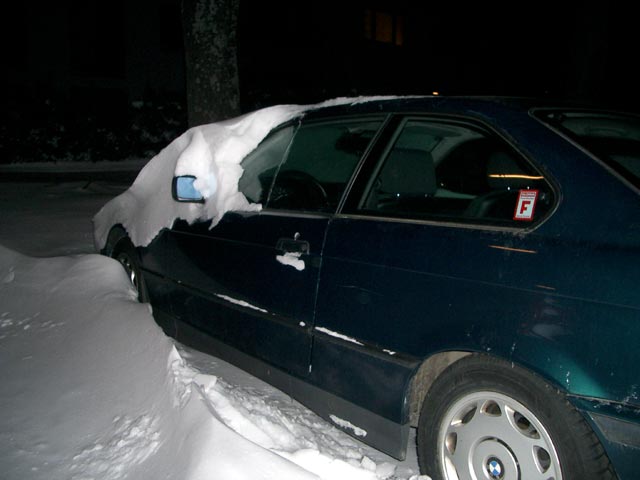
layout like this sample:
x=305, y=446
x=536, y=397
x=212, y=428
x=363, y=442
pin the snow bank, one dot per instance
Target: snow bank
x=212, y=153
x=93, y=389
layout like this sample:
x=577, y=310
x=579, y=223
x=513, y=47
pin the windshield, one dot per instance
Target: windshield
x=613, y=138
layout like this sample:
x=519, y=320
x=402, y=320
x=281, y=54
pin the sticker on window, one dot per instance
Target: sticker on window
x=526, y=205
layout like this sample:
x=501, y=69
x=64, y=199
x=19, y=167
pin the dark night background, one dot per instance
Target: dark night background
x=94, y=80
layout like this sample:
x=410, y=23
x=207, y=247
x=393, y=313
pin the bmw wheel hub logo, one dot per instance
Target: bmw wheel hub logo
x=495, y=468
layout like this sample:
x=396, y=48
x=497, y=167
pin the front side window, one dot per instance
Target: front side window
x=260, y=166
x=319, y=164
x=455, y=172
x=613, y=138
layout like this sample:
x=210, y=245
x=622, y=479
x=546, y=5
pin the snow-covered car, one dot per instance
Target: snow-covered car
x=468, y=266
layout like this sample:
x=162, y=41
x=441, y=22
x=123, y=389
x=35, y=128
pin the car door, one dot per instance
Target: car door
x=430, y=237
x=251, y=281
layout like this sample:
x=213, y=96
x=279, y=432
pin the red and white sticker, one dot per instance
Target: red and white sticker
x=526, y=205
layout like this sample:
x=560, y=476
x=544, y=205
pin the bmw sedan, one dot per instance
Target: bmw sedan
x=466, y=266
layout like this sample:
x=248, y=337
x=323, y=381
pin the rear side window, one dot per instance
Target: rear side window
x=455, y=172
x=319, y=163
x=613, y=138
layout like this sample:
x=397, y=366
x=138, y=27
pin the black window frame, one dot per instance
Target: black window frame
x=385, y=143
x=302, y=123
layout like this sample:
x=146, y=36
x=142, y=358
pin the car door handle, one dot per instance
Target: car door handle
x=289, y=245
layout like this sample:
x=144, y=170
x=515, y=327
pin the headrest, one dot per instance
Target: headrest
x=504, y=172
x=409, y=172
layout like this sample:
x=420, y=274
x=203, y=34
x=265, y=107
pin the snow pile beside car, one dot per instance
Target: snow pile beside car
x=212, y=154
x=93, y=389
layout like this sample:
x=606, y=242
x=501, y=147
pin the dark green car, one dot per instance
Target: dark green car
x=467, y=266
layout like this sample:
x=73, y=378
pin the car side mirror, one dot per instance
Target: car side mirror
x=183, y=189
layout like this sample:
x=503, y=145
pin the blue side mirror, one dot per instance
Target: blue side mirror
x=184, y=191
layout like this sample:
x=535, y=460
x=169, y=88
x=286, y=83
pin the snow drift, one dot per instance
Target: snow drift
x=93, y=389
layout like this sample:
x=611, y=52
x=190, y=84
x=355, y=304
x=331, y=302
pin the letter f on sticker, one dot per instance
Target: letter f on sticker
x=524, y=206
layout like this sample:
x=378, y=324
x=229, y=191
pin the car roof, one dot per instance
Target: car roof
x=479, y=106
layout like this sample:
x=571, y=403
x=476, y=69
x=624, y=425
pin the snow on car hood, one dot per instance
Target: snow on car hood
x=212, y=153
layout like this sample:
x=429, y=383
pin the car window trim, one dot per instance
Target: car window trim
x=395, y=124
x=301, y=123
x=295, y=123
x=440, y=223
x=279, y=212
x=366, y=169
x=363, y=159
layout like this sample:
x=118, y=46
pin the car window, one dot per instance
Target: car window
x=319, y=164
x=261, y=164
x=451, y=171
x=613, y=138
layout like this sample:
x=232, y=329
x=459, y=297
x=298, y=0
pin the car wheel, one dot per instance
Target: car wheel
x=486, y=419
x=125, y=253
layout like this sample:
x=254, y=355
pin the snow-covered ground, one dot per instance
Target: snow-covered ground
x=92, y=389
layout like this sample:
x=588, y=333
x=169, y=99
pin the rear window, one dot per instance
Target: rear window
x=613, y=138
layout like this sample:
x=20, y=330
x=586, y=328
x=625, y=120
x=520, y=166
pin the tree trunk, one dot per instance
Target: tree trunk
x=211, y=59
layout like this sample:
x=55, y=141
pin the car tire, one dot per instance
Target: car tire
x=484, y=418
x=125, y=253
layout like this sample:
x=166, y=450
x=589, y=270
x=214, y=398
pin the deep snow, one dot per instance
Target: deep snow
x=92, y=388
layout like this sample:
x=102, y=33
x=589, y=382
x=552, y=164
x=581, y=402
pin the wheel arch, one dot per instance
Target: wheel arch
x=117, y=233
x=548, y=362
x=425, y=375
